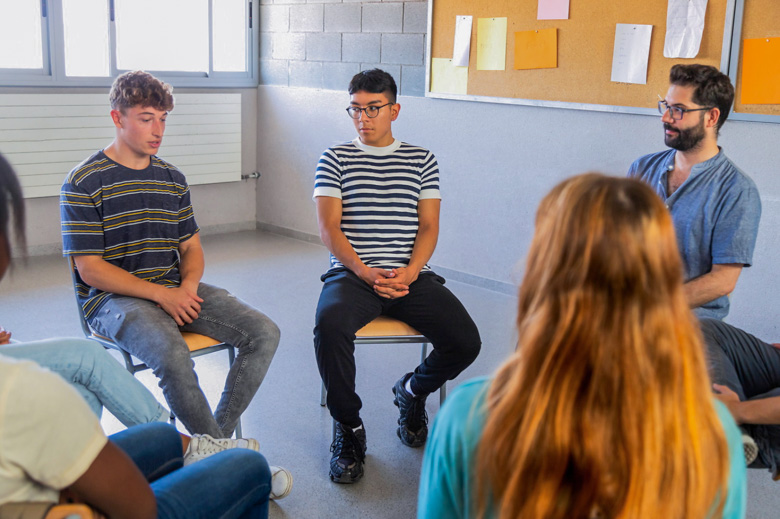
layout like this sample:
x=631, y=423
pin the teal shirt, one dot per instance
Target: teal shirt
x=446, y=485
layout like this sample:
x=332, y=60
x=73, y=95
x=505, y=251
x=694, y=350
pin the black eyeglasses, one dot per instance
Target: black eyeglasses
x=371, y=111
x=676, y=111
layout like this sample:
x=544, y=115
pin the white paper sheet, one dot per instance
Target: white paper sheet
x=684, y=27
x=632, y=50
x=462, y=47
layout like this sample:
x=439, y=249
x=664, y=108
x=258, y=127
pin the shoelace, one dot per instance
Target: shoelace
x=207, y=445
x=416, y=411
x=349, y=442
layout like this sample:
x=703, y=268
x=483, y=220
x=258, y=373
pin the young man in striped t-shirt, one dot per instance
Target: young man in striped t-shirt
x=128, y=224
x=378, y=211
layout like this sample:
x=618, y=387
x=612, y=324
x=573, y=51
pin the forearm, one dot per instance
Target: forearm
x=720, y=281
x=100, y=274
x=424, y=245
x=760, y=411
x=191, y=267
x=338, y=244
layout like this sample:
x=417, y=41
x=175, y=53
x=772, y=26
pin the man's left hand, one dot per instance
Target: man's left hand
x=397, y=285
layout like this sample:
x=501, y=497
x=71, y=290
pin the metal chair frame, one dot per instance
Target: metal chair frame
x=190, y=338
x=393, y=339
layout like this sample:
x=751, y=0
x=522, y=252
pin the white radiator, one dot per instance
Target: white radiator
x=45, y=135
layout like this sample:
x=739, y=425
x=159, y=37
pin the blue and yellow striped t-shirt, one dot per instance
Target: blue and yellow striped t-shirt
x=134, y=219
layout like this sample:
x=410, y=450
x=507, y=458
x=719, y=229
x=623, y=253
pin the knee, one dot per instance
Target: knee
x=245, y=465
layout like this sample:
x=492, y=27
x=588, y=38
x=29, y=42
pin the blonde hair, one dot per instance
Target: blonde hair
x=605, y=409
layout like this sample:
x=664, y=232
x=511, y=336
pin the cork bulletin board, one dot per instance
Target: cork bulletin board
x=755, y=19
x=585, y=46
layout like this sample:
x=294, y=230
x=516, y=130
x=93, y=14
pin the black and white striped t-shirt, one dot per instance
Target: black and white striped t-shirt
x=379, y=189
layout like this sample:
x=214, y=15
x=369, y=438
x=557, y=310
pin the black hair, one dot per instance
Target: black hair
x=374, y=81
x=711, y=87
x=11, y=207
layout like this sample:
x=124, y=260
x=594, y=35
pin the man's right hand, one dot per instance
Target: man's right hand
x=180, y=303
x=371, y=274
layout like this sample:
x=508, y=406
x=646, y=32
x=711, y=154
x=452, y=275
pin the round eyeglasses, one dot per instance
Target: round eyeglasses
x=676, y=111
x=371, y=110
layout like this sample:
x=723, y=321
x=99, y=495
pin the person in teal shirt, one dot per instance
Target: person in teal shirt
x=604, y=410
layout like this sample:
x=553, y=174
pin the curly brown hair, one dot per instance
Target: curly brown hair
x=140, y=88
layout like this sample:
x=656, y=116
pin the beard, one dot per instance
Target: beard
x=687, y=139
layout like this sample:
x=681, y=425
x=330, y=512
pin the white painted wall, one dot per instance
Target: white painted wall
x=497, y=162
x=221, y=207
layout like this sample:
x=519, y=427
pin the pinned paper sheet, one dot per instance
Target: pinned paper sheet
x=446, y=78
x=536, y=49
x=553, y=10
x=491, y=44
x=632, y=50
x=761, y=71
x=684, y=26
x=462, y=47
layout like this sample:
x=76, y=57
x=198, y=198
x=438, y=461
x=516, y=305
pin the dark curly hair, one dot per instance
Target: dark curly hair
x=374, y=81
x=711, y=87
x=140, y=88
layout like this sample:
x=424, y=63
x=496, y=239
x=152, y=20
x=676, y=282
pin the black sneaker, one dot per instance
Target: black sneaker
x=349, y=452
x=413, y=422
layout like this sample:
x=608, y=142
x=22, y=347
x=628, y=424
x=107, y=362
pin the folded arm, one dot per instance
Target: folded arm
x=759, y=411
x=720, y=281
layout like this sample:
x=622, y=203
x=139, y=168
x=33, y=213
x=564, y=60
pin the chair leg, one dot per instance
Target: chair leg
x=323, y=395
x=443, y=388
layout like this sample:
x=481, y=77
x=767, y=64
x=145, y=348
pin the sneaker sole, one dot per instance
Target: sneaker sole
x=286, y=492
x=346, y=479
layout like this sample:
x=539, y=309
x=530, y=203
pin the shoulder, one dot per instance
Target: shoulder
x=734, y=176
x=172, y=170
x=89, y=169
x=467, y=399
x=652, y=163
x=414, y=152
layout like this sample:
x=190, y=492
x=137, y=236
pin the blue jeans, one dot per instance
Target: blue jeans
x=751, y=368
x=98, y=377
x=347, y=304
x=147, y=332
x=231, y=484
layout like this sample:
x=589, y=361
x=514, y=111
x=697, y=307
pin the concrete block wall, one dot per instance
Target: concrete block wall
x=323, y=43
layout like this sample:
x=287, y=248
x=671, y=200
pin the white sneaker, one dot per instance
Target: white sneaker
x=202, y=446
x=281, y=482
x=750, y=447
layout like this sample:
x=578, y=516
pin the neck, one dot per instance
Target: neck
x=685, y=160
x=126, y=157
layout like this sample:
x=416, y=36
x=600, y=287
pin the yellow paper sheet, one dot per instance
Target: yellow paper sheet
x=447, y=78
x=761, y=71
x=536, y=49
x=491, y=44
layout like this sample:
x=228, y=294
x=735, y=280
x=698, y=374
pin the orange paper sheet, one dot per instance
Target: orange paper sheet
x=761, y=71
x=536, y=49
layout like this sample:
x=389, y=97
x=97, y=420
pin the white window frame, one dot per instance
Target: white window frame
x=53, y=71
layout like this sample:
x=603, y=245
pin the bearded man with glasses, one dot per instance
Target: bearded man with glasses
x=378, y=211
x=714, y=205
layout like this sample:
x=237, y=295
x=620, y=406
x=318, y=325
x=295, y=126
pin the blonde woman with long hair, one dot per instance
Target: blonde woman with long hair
x=605, y=409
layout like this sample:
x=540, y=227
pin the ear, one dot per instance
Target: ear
x=394, y=111
x=712, y=117
x=116, y=116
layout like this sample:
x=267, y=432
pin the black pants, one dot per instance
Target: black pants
x=751, y=368
x=347, y=304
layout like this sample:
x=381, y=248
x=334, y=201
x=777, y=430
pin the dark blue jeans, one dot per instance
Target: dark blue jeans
x=751, y=368
x=230, y=484
x=347, y=304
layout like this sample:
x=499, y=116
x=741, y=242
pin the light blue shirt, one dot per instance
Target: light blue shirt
x=447, y=479
x=715, y=213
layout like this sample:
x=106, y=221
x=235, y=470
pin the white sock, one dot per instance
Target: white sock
x=408, y=386
x=356, y=429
